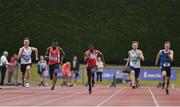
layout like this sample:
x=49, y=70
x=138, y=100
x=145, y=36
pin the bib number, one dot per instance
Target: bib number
x=166, y=64
x=54, y=58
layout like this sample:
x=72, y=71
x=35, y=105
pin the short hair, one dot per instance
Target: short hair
x=91, y=44
x=54, y=40
x=26, y=38
x=135, y=42
x=167, y=42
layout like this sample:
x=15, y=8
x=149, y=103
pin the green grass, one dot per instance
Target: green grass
x=34, y=78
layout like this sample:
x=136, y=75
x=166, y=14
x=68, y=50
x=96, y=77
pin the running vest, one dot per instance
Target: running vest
x=91, y=62
x=134, y=59
x=26, y=56
x=164, y=59
x=54, y=56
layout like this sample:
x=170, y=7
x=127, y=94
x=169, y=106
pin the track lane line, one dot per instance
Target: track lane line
x=12, y=98
x=153, y=97
x=56, y=99
x=22, y=96
x=107, y=99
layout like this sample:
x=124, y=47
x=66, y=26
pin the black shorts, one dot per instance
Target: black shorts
x=52, y=69
x=167, y=69
x=136, y=70
x=23, y=68
x=91, y=69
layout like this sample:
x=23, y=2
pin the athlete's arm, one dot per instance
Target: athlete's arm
x=62, y=54
x=47, y=53
x=171, y=55
x=141, y=56
x=128, y=60
x=20, y=52
x=102, y=56
x=36, y=52
x=157, y=58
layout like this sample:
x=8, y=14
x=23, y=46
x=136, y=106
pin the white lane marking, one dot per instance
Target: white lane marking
x=11, y=98
x=106, y=100
x=154, y=99
x=56, y=99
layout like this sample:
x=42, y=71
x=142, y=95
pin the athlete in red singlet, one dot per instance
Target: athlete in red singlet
x=55, y=55
x=90, y=57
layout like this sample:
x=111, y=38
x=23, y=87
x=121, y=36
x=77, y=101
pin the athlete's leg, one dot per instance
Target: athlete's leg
x=167, y=80
x=164, y=78
x=23, y=70
x=89, y=79
x=93, y=70
x=54, y=79
x=93, y=82
x=133, y=78
x=27, y=73
x=137, y=72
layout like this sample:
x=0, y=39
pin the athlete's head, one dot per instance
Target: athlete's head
x=41, y=57
x=167, y=45
x=135, y=45
x=91, y=47
x=26, y=41
x=54, y=44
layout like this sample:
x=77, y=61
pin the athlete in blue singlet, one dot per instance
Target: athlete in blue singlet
x=165, y=58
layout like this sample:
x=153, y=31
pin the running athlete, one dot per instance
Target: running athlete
x=55, y=55
x=25, y=57
x=165, y=57
x=135, y=56
x=91, y=57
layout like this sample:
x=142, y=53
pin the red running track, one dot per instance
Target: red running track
x=78, y=96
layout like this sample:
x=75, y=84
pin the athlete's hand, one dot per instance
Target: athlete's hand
x=156, y=63
x=22, y=49
x=138, y=52
x=37, y=58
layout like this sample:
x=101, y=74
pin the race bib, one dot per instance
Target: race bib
x=53, y=58
x=26, y=58
x=166, y=64
x=92, y=55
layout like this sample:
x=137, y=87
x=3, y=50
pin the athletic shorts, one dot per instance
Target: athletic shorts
x=23, y=68
x=52, y=69
x=167, y=69
x=136, y=70
x=91, y=69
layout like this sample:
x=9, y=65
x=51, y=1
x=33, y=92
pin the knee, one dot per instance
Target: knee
x=132, y=72
x=28, y=68
x=164, y=73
